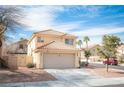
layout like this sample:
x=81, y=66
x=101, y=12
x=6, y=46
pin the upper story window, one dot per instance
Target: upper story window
x=21, y=46
x=39, y=39
x=69, y=41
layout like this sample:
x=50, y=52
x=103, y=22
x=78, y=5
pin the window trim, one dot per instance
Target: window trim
x=21, y=46
x=67, y=41
x=40, y=40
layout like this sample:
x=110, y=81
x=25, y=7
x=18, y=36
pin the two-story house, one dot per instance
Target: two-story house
x=17, y=54
x=19, y=47
x=53, y=49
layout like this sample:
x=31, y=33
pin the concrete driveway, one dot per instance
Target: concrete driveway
x=80, y=78
x=71, y=74
x=70, y=78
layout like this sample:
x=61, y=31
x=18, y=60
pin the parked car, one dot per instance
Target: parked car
x=111, y=62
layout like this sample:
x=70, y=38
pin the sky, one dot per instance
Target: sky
x=92, y=21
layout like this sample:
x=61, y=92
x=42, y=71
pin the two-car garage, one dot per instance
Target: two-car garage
x=58, y=60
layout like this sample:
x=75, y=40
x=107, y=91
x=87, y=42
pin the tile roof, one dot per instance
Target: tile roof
x=56, y=45
x=53, y=32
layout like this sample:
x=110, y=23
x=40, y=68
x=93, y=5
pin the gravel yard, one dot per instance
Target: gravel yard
x=24, y=75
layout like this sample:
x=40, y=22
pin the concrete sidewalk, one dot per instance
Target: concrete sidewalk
x=96, y=62
x=121, y=64
x=74, y=83
x=70, y=78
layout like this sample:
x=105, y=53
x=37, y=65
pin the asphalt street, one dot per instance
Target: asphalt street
x=99, y=65
x=117, y=85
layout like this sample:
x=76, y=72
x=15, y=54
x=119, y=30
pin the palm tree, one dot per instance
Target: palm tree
x=86, y=39
x=87, y=54
x=79, y=42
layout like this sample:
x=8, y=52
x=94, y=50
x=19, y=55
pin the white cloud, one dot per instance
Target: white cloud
x=99, y=31
x=68, y=27
x=41, y=17
x=12, y=36
x=44, y=17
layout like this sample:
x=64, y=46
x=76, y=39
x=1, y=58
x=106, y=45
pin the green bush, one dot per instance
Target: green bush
x=30, y=65
x=83, y=64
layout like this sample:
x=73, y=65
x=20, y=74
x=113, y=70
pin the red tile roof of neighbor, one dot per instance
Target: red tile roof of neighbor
x=91, y=46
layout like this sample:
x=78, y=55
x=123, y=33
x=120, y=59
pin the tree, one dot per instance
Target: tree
x=86, y=39
x=22, y=38
x=109, y=45
x=79, y=43
x=87, y=54
x=10, y=20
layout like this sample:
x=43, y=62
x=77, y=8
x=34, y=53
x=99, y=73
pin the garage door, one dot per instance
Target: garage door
x=54, y=61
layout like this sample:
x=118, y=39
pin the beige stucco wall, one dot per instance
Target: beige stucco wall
x=76, y=60
x=23, y=59
x=32, y=46
x=48, y=39
x=82, y=54
x=19, y=60
x=37, y=60
x=12, y=62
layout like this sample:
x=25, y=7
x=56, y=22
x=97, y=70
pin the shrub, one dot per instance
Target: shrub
x=30, y=65
x=83, y=64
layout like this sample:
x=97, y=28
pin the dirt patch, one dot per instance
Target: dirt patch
x=24, y=75
x=104, y=73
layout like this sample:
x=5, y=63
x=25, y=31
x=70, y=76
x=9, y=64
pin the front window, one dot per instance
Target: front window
x=21, y=46
x=40, y=39
x=69, y=41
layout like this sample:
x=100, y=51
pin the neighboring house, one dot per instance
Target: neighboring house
x=120, y=52
x=19, y=47
x=53, y=49
x=17, y=54
x=94, y=53
x=82, y=56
